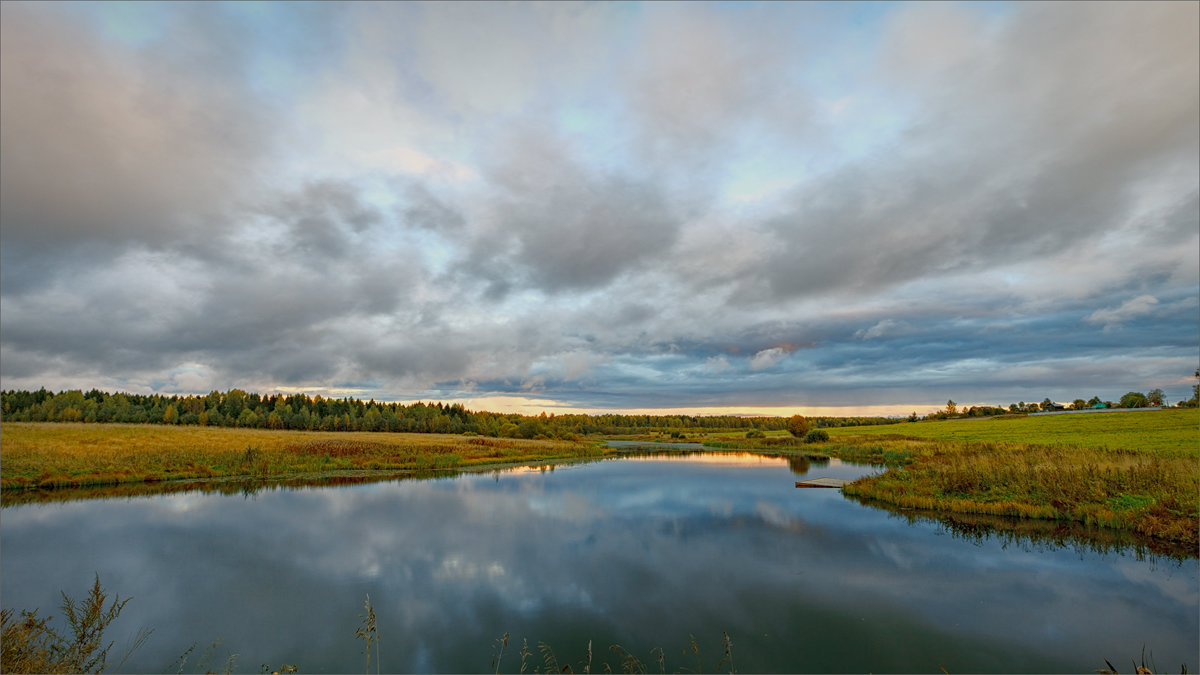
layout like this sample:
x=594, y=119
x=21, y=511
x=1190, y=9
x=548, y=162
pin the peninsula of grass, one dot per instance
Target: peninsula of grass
x=1137, y=471
x=55, y=455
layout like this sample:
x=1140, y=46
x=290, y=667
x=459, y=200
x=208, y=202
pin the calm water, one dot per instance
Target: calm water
x=642, y=552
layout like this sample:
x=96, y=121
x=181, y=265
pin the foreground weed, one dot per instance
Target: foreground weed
x=728, y=657
x=500, y=645
x=31, y=645
x=525, y=653
x=1138, y=669
x=368, y=631
x=548, y=658
x=695, y=648
x=629, y=662
x=205, y=662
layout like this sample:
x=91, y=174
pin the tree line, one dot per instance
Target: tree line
x=1133, y=399
x=237, y=408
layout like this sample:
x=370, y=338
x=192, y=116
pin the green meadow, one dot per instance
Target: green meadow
x=1168, y=432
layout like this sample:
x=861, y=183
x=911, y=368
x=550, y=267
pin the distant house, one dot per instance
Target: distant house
x=1057, y=406
x=1099, y=406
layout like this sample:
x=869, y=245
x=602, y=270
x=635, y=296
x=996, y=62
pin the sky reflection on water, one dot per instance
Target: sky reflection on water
x=641, y=552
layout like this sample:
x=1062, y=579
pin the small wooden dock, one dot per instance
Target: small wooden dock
x=822, y=483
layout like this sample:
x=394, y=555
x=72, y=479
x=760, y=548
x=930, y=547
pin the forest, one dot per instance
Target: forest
x=237, y=408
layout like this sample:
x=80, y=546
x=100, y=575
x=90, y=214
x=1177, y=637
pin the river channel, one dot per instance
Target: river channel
x=644, y=552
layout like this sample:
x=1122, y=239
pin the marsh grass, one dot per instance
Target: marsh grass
x=1148, y=494
x=56, y=455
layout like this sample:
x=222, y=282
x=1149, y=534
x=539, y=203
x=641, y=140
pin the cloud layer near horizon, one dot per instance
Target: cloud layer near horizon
x=603, y=206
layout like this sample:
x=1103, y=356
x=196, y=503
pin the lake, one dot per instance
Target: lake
x=644, y=552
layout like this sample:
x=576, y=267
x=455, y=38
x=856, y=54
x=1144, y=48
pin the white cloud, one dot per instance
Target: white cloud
x=767, y=358
x=715, y=364
x=1130, y=309
x=885, y=327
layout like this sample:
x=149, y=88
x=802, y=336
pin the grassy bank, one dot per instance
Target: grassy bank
x=56, y=455
x=1134, y=471
x=1171, y=432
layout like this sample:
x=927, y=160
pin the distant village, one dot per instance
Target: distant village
x=1134, y=400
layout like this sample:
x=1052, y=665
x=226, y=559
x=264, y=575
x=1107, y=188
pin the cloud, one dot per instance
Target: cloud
x=556, y=224
x=626, y=205
x=1129, y=310
x=716, y=365
x=102, y=144
x=997, y=173
x=880, y=329
x=767, y=358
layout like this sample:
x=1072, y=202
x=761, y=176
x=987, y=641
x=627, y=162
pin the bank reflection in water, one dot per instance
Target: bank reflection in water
x=638, y=553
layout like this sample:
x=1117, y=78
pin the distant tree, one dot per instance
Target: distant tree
x=951, y=408
x=913, y=417
x=1078, y=404
x=1047, y=404
x=1156, y=397
x=1134, y=399
x=1094, y=401
x=170, y=415
x=797, y=425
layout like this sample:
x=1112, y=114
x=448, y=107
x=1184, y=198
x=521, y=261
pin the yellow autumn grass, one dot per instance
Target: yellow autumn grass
x=59, y=454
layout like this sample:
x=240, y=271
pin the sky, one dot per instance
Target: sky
x=693, y=208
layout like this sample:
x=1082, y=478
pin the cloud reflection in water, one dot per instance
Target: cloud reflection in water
x=643, y=553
